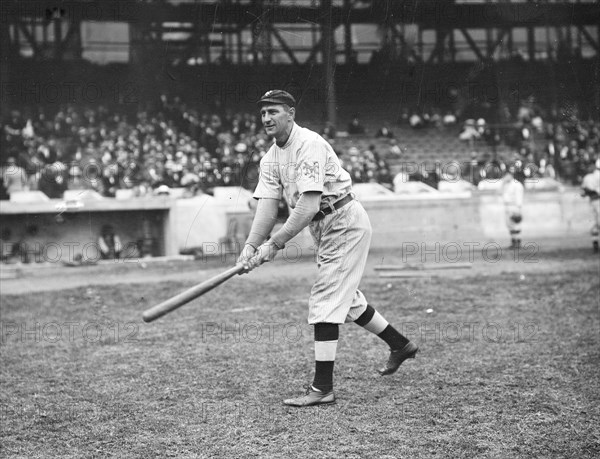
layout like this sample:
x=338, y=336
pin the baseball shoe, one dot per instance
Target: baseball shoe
x=397, y=357
x=312, y=397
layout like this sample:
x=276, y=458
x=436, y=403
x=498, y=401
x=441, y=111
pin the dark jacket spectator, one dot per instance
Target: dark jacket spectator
x=109, y=243
x=355, y=128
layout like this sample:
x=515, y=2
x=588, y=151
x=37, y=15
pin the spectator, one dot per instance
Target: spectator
x=493, y=170
x=3, y=193
x=399, y=180
x=384, y=175
x=473, y=169
x=546, y=168
x=109, y=244
x=92, y=176
x=449, y=119
x=14, y=177
x=110, y=179
x=416, y=121
x=30, y=247
x=394, y=148
x=329, y=131
x=451, y=180
x=37, y=166
x=469, y=132
x=7, y=247
x=355, y=127
x=76, y=181
x=13, y=129
x=54, y=180
x=384, y=132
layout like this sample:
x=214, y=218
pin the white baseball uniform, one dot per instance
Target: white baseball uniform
x=308, y=163
x=512, y=195
x=591, y=182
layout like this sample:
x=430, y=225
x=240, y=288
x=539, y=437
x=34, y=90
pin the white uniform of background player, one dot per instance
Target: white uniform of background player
x=591, y=188
x=512, y=196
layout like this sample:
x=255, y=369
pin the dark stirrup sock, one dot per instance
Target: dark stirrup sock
x=393, y=338
x=326, y=339
x=374, y=322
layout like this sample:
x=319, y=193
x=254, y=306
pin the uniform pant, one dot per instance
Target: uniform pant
x=342, y=239
x=595, y=206
x=513, y=227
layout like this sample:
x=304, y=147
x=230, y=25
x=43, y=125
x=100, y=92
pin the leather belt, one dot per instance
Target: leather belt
x=321, y=214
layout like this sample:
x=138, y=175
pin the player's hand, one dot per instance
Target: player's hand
x=265, y=253
x=245, y=256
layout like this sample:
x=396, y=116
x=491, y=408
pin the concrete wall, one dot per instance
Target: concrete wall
x=206, y=221
x=477, y=219
x=480, y=218
x=218, y=223
x=402, y=221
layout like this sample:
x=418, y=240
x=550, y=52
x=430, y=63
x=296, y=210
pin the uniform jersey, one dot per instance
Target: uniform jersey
x=308, y=163
x=305, y=163
x=512, y=193
x=591, y=182
x=512, y=196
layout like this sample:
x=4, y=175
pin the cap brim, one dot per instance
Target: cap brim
x=274, y=102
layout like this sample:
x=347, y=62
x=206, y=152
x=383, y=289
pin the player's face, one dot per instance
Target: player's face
x=277, y=120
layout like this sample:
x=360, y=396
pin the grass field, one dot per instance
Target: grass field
x=509, y=367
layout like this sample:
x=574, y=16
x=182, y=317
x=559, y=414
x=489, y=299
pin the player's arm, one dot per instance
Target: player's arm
x=305, y=210
x=310, y=184
x=264, y=221
x=268, y=193
x=262, y=225
x=592, y=194
x=587, y=189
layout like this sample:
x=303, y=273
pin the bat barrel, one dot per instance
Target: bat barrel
x=188, y=295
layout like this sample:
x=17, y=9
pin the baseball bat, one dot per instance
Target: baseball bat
x=188, y=295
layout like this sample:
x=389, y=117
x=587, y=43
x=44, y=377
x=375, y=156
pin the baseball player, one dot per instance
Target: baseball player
x=512, y=195
x=303, y=167
x=590, y=187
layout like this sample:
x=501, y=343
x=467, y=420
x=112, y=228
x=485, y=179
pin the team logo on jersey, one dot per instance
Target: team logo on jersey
x=310, y=172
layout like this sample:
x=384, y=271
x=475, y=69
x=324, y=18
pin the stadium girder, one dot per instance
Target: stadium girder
x=52, y=29
x=150, y=20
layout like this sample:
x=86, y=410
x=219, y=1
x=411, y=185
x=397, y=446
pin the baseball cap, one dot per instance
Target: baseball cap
x=277, y=96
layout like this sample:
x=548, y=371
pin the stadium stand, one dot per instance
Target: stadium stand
x=175, y=145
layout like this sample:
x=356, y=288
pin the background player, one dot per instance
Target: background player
x=590, y=187
x=302, y=166
x=512, y=196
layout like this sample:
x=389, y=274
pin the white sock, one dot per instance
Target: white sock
x=377, y=324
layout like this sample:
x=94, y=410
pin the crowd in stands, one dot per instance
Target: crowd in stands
x=556, y=144
x=173, y=145
x=104, y=150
